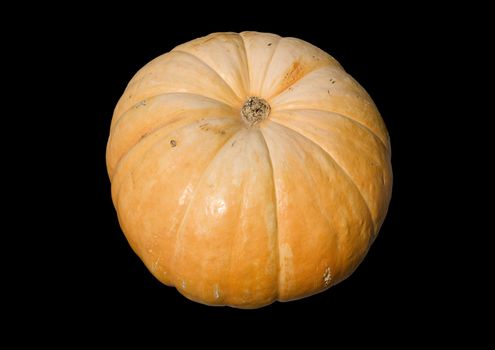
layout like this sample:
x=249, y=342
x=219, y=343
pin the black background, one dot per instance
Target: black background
x=93, y=271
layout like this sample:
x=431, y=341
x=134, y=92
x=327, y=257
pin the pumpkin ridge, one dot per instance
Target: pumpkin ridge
x=275, y=48
x=139, y=163
x=276, y=212
x=211, y=68
x=316, y=194
x=152, y=97
x=298, y=79
x=343, y=171
x=358, y=123
x=188, y=207
x=117, y=164
x=151, y=132
x=229, y=267
x=117, y=191
x=248, y=88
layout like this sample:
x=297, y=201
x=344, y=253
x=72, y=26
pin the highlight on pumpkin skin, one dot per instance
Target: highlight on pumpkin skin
x=248, y=168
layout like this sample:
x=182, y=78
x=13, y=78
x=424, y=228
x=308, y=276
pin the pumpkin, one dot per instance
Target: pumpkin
x=248, y=168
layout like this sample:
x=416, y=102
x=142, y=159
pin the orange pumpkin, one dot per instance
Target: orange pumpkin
x=248, y=168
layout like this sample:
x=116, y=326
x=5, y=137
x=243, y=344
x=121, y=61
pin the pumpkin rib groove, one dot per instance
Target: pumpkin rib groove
x=343, y=171
x=298, y=79
x=131, y=170
x=329, y=65
x=139, y=163
x=270, y=61
x=338, y=115
x=356, y=122
x=151, y=132
x=248, y=88
x=209, y=67
x=317, y=195
x=153, y=145
x=276, y=212
x=152, y=97
x=232, y=242
x=128, y=151
x=188, y=207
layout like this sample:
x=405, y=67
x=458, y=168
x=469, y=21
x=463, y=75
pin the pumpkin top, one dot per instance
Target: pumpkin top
x=254, y=110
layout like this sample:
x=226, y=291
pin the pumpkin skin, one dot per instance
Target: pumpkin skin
x=238, y=212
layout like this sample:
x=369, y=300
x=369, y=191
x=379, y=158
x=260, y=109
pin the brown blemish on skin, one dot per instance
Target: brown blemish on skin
x=214, y=129
x=327, y=277
x=295, y=72
x=144, y=135
x=269, y=44
x=173, y=143
x=140, y=104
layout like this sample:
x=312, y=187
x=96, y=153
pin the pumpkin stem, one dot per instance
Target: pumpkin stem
x=254, y=110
